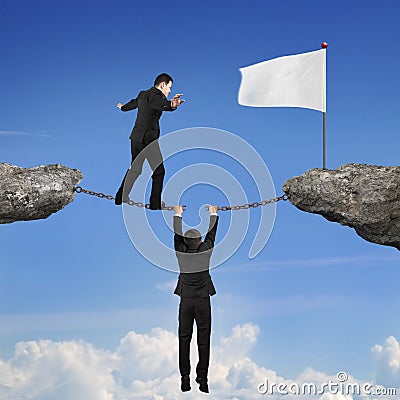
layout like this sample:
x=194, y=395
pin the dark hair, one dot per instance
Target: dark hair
x=163, y=78
x=192, y=237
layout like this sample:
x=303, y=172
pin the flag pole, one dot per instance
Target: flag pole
x=324, y=45
x=324, y=141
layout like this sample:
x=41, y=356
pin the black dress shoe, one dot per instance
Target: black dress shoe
x=120, y=198
x=203, y=384
x=185, y=383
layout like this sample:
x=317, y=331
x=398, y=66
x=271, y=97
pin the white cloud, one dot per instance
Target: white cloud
x=145, y=366
x=387, y=358
x=338, y=396
x=49, y=370
x=147, y=357
x=238, y=344
x=22, y=133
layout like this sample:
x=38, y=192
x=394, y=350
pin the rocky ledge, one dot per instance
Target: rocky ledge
x=35, y=193
x=363, y=197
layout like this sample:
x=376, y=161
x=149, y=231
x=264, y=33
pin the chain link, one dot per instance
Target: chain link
x=284, y=197
x=256, y=204
x=79, y=189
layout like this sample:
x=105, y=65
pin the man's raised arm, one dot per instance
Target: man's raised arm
x=179, y=242
x=212, y=229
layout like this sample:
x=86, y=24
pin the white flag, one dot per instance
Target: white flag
x=291, y=81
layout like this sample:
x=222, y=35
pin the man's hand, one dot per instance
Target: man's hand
x=119, y=105
x=177, y=101
x=213, y=209
x=178, y=210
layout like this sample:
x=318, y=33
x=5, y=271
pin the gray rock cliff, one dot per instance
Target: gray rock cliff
x=35, y=193
x=363, y=197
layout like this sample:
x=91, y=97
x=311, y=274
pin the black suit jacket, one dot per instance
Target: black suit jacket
x=150, y=104
x=194, y=263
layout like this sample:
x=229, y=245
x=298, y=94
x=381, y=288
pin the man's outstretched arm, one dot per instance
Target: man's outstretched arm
x=131, y=105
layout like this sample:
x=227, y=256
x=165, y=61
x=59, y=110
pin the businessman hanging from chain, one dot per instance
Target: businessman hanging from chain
x=194, y=287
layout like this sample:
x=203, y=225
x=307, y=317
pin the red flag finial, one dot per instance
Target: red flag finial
x=324, y=45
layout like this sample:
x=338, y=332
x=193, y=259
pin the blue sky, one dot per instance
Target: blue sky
x=321, y=296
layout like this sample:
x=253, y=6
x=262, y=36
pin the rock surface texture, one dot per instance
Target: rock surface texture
x=35, y=193
x=363, y=197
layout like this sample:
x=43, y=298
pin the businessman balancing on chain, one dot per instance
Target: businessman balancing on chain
x=194, y=288
x=150, y=105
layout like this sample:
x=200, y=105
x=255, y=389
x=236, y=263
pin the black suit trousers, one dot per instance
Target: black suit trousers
x=152, y=153
x=194, y=309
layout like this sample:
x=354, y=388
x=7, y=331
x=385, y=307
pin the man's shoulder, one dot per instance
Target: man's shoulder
x=145, y=92
x=153, y=91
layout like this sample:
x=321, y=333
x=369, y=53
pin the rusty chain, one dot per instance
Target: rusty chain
x=256, y=204
x=79, y=189
x=284, y=197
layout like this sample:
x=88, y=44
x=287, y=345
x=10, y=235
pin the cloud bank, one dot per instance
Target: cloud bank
x=144, y=366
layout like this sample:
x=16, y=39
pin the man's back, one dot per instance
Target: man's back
x=150, y=104
x=194, y=262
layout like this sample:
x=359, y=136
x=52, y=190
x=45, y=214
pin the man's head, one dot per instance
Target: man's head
x=192, y=238
x=164, y=83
